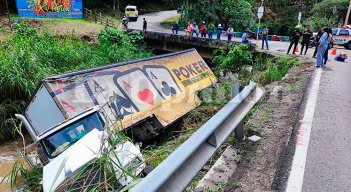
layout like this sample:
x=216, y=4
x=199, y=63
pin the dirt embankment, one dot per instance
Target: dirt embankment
x=261, y=163
x=76, y=28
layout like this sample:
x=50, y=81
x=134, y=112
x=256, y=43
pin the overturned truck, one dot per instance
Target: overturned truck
x=141, y=97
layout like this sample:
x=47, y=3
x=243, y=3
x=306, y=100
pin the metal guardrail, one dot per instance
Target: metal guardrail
x=176, y=172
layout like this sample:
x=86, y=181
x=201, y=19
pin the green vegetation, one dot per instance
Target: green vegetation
x=28, y=56
x=168, y=22
x=237, y=13
x=264, y=71
x=27, y=179
x=234, y=60
x=328, y=12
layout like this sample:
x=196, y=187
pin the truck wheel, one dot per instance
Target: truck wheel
x=348, y=45
x=147, y=170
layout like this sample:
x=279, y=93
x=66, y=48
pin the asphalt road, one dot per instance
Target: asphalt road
x=328, y=165
x=328, y=160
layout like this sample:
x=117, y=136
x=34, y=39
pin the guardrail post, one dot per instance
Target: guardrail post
x=235, y=89
x=212, y=140
x=239, y=130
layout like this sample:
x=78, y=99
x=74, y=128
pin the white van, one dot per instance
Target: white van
x=132, y=12
x=342, y=36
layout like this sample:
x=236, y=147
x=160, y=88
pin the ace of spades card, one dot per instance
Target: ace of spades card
x=102, y=88
x=137, y=86
x=163, y=80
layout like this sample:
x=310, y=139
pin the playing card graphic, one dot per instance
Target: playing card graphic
x=136, y=86
x=163, y=80
x=103, y=87
x=124, y=106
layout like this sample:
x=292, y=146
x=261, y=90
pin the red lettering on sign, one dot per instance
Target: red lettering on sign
x=66, y=104
x=126, y=85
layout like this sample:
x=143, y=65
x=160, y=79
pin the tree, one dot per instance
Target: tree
x=237, y=13
x=328, y=12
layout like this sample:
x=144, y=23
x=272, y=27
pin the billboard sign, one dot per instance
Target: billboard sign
x=50, y=8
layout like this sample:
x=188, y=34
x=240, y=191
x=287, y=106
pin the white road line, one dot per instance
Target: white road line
x=303, y=137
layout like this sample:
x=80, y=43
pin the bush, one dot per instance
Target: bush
x=277, y=69
x=136, y=37
x=22, y=28
x=238, y=56
x=111, y=36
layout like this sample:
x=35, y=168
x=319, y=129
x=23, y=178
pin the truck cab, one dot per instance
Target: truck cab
x=342, y=36
x=76, y=142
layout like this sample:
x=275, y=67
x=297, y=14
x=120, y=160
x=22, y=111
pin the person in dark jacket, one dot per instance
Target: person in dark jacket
x=294, y=39
x=175, y=27
x=318, y=37
x=306, y=36
x=219, y=31
x=144, y=25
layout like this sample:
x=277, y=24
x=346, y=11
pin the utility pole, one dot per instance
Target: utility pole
x=348, y=14
x=260, y=12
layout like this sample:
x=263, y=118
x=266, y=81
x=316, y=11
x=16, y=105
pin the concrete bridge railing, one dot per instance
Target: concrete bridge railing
x=173, y=43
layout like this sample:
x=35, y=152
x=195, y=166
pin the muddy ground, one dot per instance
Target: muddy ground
x=275, y=121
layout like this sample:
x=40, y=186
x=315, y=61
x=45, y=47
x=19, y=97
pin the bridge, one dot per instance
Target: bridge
x=175, y=43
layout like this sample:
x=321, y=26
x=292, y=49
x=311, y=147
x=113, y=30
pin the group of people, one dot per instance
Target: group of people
x=204, y=30
x=295, y=38
x=323, y=40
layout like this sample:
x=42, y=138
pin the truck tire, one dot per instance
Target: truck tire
x=348, y=45
x=147, y=170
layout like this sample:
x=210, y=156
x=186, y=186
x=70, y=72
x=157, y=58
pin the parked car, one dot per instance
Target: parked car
x=342, y=36
x=132, y=12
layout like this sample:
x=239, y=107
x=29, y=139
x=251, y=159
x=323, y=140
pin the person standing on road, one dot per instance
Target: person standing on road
x=144, y=25
x=211, y=30
x=318, y=37
x=194, y=29
x=219, y=31
x=230, y=32
x=125, y=22
x=203, y=29
x=175, y=27
x=188, y=30
x=294, y=40
x=330, y=42
x=265, y=36
x=322, y=47
x=306, y=37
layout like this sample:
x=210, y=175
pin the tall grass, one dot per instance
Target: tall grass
x=28, y=56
